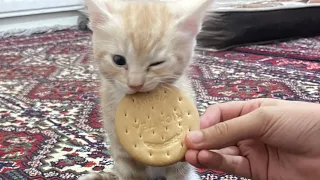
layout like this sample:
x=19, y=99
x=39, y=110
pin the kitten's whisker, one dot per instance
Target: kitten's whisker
x=166, y=84
x=171, y=75
x=166, y=79
x=107, y=78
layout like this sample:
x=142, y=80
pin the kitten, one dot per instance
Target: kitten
x=137, y=45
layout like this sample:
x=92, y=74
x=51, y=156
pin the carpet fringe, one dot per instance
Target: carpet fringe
x=28, y=32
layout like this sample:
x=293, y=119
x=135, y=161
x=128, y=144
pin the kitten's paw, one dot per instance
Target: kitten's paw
x=100, y=176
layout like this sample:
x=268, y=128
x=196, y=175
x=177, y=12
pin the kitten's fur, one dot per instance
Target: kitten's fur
x=144, y=32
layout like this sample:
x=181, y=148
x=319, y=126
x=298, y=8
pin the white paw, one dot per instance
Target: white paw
x=88, y=177
x=99, y=176
x=193, y=176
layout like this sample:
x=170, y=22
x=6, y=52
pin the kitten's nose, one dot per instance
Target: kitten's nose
x=136, y=88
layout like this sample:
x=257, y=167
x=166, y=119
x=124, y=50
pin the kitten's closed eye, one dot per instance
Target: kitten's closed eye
x=156, y=63
x=119, y=60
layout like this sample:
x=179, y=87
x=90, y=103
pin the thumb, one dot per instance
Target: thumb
x=228, y=133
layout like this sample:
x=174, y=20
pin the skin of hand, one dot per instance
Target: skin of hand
x=259, y=139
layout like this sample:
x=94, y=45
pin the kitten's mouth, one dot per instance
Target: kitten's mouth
x=143, y=90
x=131, y=92
x=146, y=89
x=140, y=91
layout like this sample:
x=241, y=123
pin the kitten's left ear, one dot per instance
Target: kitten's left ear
x=100, y=11
x=193, y=15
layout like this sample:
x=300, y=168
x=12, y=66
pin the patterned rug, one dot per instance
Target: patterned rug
x=49, y=120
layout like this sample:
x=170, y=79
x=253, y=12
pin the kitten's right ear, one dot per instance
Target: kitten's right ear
x=99, y=11
x=191, y=14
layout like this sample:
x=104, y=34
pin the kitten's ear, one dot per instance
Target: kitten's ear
x=99, y=11
x=193, y=15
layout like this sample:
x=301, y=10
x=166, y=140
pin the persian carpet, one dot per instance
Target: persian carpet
x=49, y=120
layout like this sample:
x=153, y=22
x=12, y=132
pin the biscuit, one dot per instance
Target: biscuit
x=152, y=126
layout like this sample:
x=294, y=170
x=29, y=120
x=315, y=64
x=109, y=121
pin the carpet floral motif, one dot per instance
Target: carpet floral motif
x=50, y=126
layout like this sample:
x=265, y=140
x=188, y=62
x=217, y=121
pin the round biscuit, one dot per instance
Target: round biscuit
x=152, y=126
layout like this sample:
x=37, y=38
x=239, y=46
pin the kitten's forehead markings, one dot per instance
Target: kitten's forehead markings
x=131, y=55
x=146, y=24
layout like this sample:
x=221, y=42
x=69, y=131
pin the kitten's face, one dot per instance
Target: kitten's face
x=139, y=44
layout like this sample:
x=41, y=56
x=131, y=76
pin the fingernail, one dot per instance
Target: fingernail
x=195, y=136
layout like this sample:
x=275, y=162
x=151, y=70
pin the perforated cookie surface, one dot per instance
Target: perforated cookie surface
x=152, y=126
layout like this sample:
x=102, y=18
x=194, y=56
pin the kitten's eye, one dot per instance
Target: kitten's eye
x=119, y=60
x=156, y=63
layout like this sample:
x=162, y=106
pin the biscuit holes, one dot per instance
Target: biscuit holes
x=150, y=154
x=189, y=129
x=135, y=145
x=149, y=117
x=181, y=144
x=125, y=114
x=179, y=124
x=127, y=131
x=135, y=120
x=133, y=100
x=166, y=128
x=162, y=138
x=175, y=109
x=189, y=113
x=152, y=107
x=153, y=132
x=165, y=91
x=168, y=154
x=140, y=136
x=161, y=113
x=180, y=99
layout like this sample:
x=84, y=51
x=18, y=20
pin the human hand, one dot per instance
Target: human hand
x=259, y=139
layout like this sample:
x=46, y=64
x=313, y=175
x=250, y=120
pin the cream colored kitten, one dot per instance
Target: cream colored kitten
x=137, y=45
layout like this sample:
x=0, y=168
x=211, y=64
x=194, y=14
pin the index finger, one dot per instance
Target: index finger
x=226, y=111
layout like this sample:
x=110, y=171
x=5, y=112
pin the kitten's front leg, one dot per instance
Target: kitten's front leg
x=100, y=176
x=125, y=168
x=181, y=171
